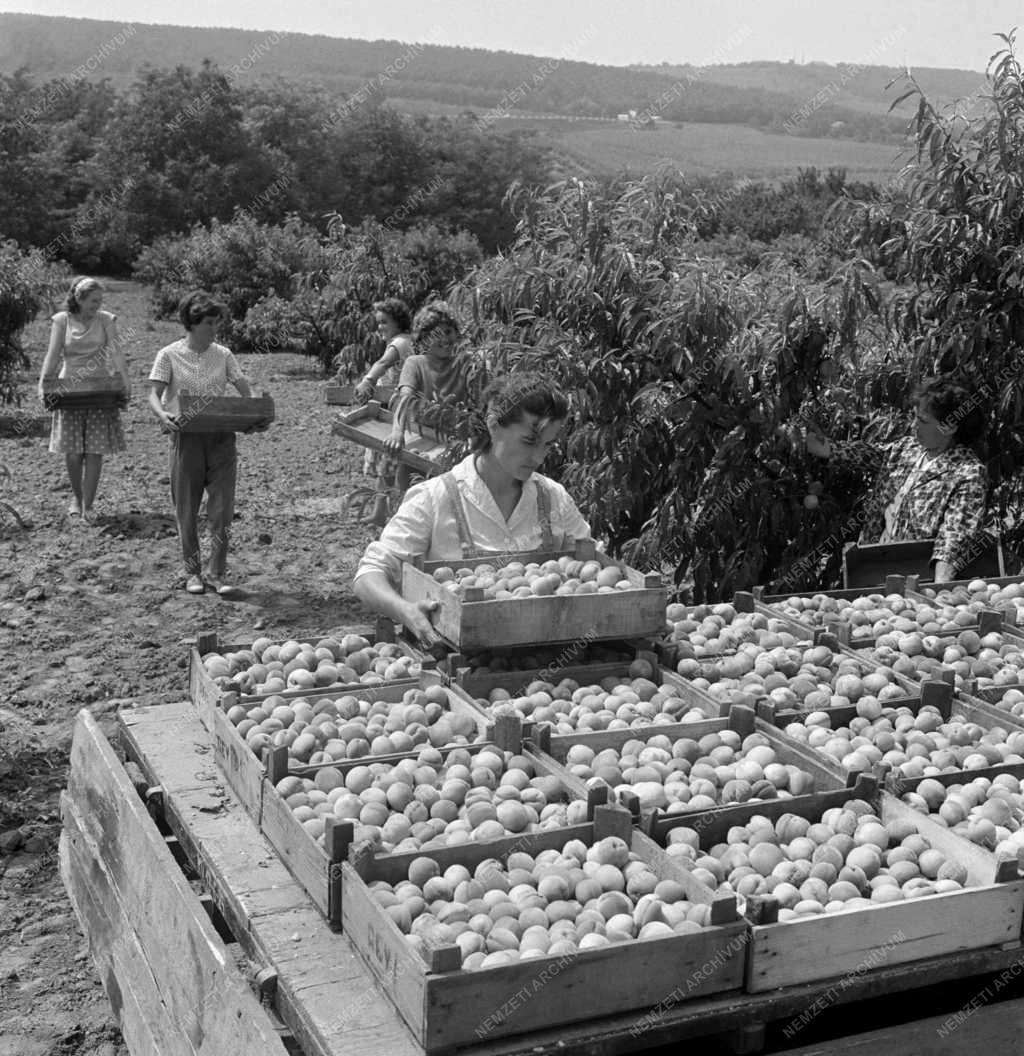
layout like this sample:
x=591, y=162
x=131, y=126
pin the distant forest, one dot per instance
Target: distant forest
x=807, y=100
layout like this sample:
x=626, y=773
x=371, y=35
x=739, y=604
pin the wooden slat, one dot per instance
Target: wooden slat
x=206, y=999
x=125, y=971
x=345, y=395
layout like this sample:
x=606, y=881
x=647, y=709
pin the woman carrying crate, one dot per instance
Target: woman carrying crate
x=84, y=345
x=494, y=501
x=196, y=366
x=931, y=485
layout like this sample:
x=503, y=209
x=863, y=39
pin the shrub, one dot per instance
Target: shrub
x=331, y=308
x=241, y=262
x=27, y=283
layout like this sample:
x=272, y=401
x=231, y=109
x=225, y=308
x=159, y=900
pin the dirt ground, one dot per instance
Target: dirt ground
x=94, y=616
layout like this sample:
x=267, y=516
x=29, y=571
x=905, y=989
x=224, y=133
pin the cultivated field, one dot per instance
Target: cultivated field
x=705, y=150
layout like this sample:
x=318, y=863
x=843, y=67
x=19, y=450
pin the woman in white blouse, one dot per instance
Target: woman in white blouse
x=493, y=501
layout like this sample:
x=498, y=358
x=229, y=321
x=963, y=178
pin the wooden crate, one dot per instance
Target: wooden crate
x=80, y=393
x=935, y=692
x=1010, y=615
x=446, y=1007
x=868, y=565
x=472, y=623
x=898, y=785
x=245, y=772
x=478, y=685
x=370, y=425
x=316, y=866
x=223, y=414
x=203, y=690
x=740, y=719
x=573, y=656
x=987, y=913
x=336, y=395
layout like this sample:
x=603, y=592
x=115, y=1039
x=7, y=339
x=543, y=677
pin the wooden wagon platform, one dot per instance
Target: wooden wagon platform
x=207, y=946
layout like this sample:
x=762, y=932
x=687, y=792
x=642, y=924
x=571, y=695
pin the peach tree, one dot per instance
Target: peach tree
x=687, y=381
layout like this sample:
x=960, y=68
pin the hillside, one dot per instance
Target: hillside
x=421, y=75
x=863, y=88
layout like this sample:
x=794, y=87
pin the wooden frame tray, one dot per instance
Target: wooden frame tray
x=370, y=425
x=223, y=414
x=988, y=913
x=445, y=1006
x=472, y=623
x=81, y=393
x=202, y=690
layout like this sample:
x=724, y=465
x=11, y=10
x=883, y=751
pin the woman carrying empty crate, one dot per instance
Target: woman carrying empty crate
x=492, y=502
x=196, y=365
x=84, y=345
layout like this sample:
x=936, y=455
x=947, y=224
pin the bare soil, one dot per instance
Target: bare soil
x=95, y=616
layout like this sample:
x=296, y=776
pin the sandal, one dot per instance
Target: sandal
x=195, y=585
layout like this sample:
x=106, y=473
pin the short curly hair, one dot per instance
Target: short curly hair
x=953, y=404
x=431, y=316
x=397, y=310
x=198, y=305
x=510, y=397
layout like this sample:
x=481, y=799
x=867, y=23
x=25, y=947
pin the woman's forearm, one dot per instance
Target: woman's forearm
x=374, y=590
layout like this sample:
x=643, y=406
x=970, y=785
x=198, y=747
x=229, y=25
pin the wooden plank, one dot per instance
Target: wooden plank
x=125, y=971
x=205, y=997
x=324, y=993
x=223, y=414
x=994, y=1028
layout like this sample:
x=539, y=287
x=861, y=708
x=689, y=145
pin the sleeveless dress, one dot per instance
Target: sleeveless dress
x=86, y=430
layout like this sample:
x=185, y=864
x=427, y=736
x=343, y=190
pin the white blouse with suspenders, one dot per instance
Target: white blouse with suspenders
x=454, y=517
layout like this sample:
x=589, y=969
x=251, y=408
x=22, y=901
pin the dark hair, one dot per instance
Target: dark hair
x=430, y=317
x=954, y=404
x=198, y=305
x=81, y=285
x=510, y=398
x=397, y=309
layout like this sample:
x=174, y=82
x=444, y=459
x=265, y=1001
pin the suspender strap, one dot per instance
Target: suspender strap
x=461, y=523
x=547, y=539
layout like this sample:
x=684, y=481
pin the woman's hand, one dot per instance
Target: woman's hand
x=169, y=422
x=364, y=390
x=395, y=442
x=416, y=619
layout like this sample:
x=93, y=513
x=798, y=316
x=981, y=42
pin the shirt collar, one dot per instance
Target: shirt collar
x=466, y=474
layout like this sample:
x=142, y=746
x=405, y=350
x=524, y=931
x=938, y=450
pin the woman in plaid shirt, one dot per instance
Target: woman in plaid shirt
x=931, y=485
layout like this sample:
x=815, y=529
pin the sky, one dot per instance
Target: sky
x=951, y=33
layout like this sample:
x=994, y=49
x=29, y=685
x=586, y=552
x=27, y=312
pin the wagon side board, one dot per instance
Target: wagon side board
x=165, y=969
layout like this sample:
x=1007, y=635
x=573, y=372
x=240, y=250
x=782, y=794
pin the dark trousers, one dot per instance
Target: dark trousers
x=204, y=462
